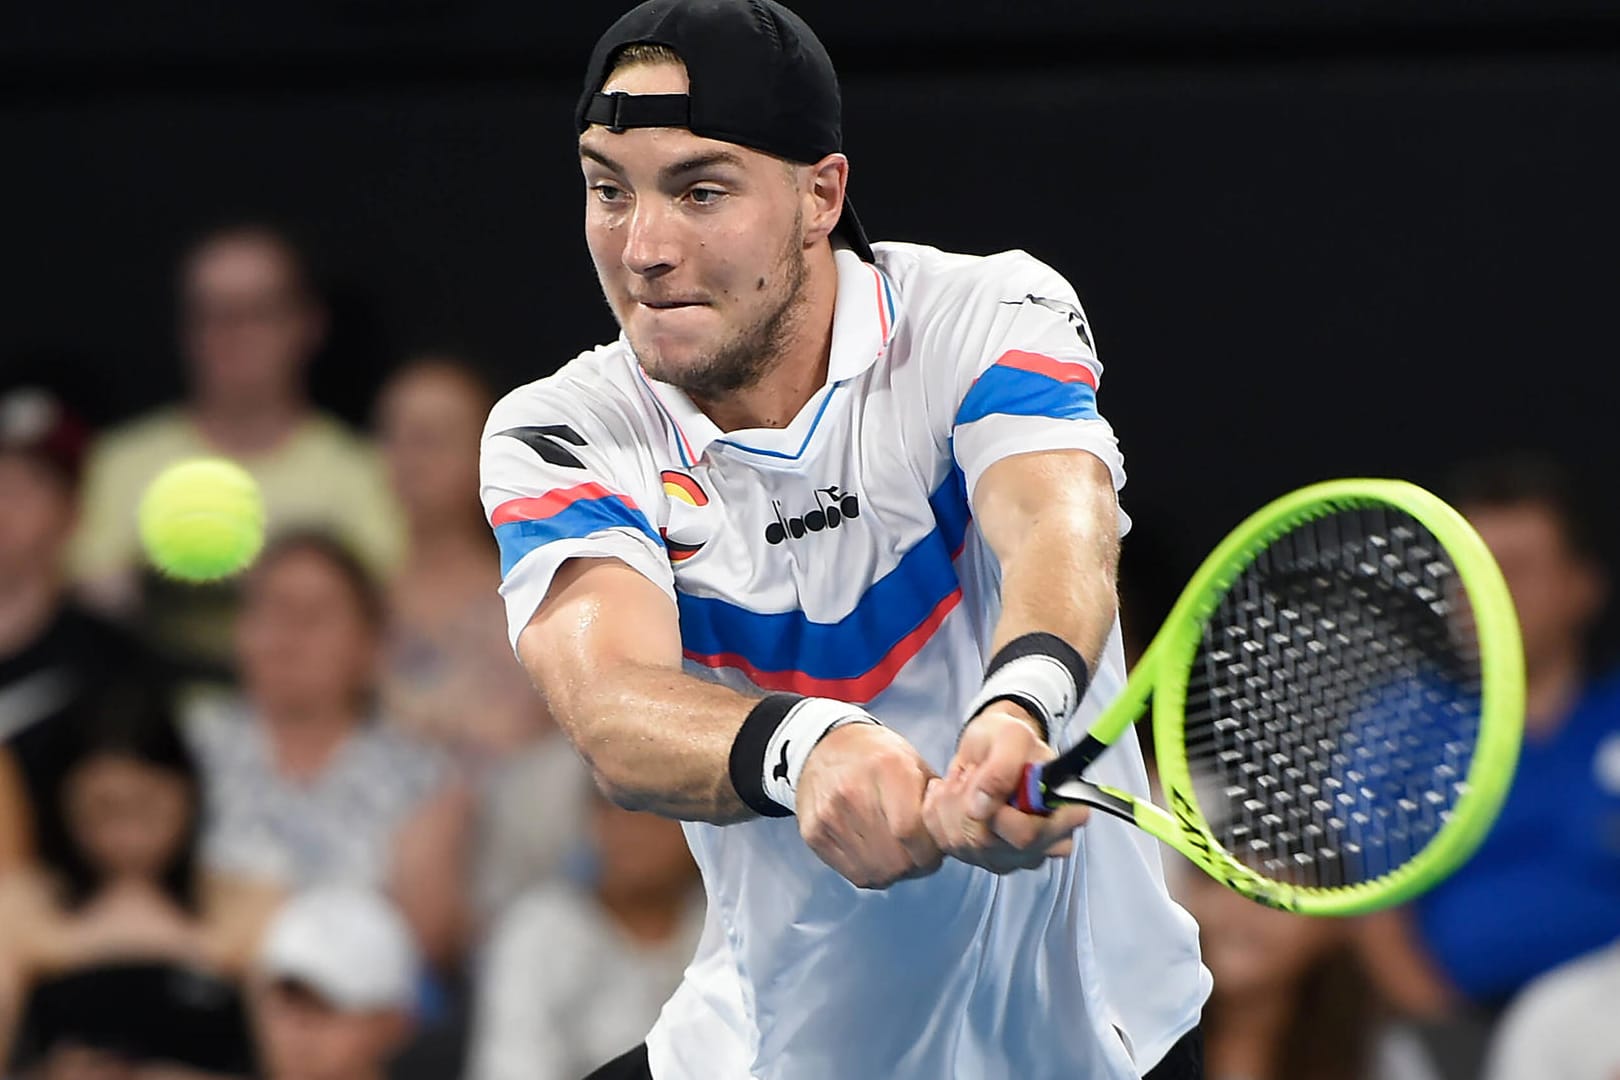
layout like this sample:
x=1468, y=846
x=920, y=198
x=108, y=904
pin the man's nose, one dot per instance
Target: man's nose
x=651, y=247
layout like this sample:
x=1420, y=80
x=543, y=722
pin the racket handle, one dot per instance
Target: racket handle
x=1031, y=794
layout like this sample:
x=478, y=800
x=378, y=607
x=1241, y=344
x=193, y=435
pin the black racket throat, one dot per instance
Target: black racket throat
x=1077, y=792
x=1062, y=782
x=1074, y=761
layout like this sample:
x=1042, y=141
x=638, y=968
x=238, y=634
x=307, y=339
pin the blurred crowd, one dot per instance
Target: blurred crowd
x=314, y=823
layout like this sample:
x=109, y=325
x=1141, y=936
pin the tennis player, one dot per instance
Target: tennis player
x=815, y=557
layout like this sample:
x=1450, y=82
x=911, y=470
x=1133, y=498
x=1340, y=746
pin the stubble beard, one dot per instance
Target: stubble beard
x=742, y=362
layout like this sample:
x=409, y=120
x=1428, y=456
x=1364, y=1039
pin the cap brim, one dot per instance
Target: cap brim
x=849, y=230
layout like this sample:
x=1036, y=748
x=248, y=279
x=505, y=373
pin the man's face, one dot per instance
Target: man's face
x=1556, y=592
x=301, y=1037
x=37, y=519
x=247, y=323
x=699, y=244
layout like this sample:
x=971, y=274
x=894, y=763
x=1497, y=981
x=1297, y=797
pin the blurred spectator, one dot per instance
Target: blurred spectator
x=575, y=973
x=335, y=983
x=1562, y=1026
x=49, y=649
x=118, y=947
x=1290, y=1000
x=447, y=644
x=249, y=325
x=15, y=820
x=448, y=671
x=1552, y=860
x=305, y=786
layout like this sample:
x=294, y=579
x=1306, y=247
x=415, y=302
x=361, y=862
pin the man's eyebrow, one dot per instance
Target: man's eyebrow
x=673, y=171
x=601, y=159
x=702, y=161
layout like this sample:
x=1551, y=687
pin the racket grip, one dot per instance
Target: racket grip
x=1031, y=794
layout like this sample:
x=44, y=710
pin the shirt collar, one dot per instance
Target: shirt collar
x=864, y=317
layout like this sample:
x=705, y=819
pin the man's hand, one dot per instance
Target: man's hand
x=859, y=803
x=968, y=813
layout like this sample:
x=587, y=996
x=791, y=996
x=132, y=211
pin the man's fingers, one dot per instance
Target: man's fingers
x=863, y=815
x=903, y=810
x=999, y=772
x=1033, y=832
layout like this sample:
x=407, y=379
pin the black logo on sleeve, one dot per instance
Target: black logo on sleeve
x=548, y=442
x=833, y=508
x=781, y=770
x=1074, y=315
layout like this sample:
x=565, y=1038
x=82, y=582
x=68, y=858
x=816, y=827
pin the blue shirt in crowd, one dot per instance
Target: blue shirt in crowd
x=1544, y=887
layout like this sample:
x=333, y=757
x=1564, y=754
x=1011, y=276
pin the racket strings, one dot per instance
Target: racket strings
x=1333, y=704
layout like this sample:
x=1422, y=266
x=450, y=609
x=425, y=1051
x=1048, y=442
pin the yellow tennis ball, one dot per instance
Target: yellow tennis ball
x=202, y=520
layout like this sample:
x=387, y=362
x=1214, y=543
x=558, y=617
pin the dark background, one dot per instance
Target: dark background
x=1314, y=240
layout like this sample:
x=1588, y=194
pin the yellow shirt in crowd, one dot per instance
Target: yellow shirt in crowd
x=323, y=476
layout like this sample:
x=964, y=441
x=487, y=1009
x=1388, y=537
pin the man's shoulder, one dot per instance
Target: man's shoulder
x=947, y=279
x=597, y=385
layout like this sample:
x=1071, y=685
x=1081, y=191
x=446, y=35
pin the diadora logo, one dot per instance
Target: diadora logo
x=683, y=492
x=833, y=508
x=548, y=442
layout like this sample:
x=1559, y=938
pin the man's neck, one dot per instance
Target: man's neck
x=28, y=602
x=800, y=367
x=244, y=427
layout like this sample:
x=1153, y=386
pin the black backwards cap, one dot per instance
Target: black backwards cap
x=759, y=78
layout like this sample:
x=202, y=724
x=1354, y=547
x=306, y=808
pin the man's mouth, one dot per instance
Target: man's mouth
x=667, y=305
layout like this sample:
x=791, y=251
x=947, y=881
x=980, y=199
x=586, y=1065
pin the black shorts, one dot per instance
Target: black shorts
x=1185, y=1061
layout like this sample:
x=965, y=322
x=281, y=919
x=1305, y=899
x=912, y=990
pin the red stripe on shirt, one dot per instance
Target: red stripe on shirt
x=859, y=688
x=1062, y=370
x=883, y=314
x=554, y=502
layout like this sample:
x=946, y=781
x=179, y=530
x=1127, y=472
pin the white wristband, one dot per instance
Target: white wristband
x=1041, y=683
x=789, y=747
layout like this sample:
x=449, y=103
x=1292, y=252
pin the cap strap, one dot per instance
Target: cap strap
x=618, y=110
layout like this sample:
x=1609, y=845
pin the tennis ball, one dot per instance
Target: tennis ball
x=202, y=520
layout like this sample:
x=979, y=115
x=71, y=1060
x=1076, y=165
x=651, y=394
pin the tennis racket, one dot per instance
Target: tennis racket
x=1338, y=702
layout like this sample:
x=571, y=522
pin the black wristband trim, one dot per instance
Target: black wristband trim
x=747, y=762
x=1025, y=702
x=1040, y=643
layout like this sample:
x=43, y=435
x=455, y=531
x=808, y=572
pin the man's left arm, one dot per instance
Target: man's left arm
x=1052, y=520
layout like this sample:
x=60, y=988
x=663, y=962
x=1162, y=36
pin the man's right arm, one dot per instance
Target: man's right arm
x=604, y=649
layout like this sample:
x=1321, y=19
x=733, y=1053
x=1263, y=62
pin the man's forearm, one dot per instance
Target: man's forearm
x=1061, y=578
x=1052, y=520
x=656, y=739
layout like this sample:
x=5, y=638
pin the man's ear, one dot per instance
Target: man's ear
x=823, y=190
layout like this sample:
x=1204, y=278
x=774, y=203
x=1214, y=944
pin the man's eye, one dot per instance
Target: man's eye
x=705, y=196
x=608, y=192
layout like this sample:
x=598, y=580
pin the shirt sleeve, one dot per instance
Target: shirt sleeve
x=560, y=483
x=1027, y=373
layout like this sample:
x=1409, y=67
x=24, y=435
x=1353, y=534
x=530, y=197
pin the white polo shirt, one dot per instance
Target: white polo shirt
x=838, y=557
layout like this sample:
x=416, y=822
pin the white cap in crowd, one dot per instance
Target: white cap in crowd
x=348, y=945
